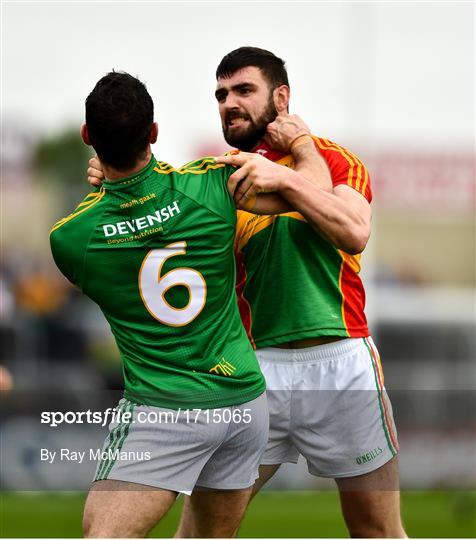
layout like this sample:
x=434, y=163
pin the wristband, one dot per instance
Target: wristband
x=300, y=140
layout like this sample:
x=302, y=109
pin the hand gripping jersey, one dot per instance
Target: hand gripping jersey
x=155, y=252
x=291, y=283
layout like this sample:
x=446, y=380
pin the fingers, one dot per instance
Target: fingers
x=289, y=122
x=242, y=190
x=246, y=196
x=236, y=178
x=299, y=125
x=93, y=181
x=245, y=191
x=95, y=172
x=95, y=163
x=248, y=204
x=246, y=161
x=281, y=133
x=238, y=160
x=95, y=177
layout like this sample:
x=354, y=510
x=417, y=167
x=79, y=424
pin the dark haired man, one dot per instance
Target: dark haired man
x=153, y=247
x=302, y=301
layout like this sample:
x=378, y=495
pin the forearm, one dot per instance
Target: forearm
x=267, y=204
x=309, y=163
x=335, y=219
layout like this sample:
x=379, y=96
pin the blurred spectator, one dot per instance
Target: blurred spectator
x=40, y=292
x=6, y=380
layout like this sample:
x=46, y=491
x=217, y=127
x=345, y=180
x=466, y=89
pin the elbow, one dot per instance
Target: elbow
x=355, y=248
x=355, y=241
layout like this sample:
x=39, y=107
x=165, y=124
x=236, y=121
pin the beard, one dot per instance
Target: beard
x=246, y=139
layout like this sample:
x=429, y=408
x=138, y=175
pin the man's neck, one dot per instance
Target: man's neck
x=261, y=142
x=114, y=175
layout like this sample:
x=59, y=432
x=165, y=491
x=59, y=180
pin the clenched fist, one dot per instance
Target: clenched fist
x=285, y=130
x=95, y=172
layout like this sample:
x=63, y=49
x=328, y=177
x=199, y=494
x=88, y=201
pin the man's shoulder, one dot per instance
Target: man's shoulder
x=70, y=236
x=331, y=148
x=345, y=167
x=200, y=166
x=82, y=217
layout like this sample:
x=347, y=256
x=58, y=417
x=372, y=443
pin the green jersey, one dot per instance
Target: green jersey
x=155, y=252
x=293, y=284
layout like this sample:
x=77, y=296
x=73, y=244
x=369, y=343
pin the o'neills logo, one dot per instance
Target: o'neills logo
x=369, y=456
x=134, y=225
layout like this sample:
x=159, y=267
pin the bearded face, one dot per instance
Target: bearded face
x=246, y=105
x=242, y=131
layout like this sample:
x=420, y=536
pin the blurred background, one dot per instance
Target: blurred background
x=393, y=82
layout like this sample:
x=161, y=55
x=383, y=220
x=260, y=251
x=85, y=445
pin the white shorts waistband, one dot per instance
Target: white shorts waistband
x=318, y=353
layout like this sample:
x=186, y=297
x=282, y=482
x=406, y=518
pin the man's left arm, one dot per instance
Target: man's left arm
x=342, y=216
x=338, y=213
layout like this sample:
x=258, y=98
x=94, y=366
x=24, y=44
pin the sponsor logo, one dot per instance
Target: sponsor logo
x=135, y=225
x=140, y=200
x=369, y=456
x=223, y=368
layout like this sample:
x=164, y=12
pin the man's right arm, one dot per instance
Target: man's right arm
x=264, y=203
x=63, y=255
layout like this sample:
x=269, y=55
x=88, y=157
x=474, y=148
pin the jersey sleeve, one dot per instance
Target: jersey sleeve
x=66, y=254
x=205, y=182
x=67, y=238
x=345, y=167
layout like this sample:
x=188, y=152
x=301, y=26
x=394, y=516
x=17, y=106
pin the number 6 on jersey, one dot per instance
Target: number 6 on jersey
x=153, y=286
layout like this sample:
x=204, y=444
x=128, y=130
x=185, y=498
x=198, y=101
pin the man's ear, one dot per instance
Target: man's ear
x=154, y=133
x=85, y=134
x=281, y=96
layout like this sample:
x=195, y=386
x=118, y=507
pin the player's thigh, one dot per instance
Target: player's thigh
x=216, y=513
x=122, y=509
x=371, y=503
x=342, y=420
x=186, y=528
x=266, y=472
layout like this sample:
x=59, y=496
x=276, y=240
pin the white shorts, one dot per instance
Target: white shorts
x=329, y=404
x=180, y=450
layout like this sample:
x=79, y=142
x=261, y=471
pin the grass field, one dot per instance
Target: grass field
x=272, y=514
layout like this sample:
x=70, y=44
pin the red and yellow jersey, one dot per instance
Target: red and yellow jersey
x=291, y=283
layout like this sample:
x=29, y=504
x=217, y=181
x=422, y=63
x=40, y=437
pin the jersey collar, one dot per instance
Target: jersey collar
x=266, y=151
x=134, y=179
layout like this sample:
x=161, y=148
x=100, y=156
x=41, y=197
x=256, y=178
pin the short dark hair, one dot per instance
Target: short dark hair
x=272, y=67
x=119, y=117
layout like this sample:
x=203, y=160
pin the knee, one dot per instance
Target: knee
x=93, y=527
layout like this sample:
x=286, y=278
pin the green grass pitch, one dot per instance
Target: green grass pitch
x=273, y=514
